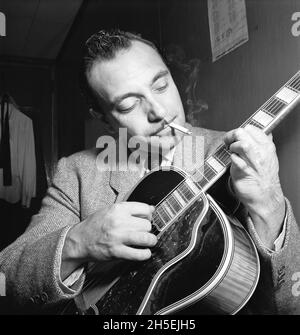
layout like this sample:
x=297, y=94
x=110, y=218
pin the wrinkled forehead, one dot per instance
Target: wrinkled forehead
x=130, y=69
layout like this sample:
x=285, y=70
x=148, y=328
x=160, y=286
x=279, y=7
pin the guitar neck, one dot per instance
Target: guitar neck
x=266, y=118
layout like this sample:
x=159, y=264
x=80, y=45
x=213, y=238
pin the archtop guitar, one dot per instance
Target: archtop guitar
x=204, y=262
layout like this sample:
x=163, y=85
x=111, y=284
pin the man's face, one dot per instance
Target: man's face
x=137, y=92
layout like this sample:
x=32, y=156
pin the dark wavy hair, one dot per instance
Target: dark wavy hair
x=104, y=45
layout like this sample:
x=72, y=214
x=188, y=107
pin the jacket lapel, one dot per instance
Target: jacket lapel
x=184, y=158
x=125, y=176
x=122, y=182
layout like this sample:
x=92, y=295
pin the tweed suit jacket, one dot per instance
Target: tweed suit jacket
x=32, y=263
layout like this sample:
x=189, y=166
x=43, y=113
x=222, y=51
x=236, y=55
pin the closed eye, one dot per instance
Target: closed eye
x=127, y=104
x=162, y=88
x=161, y=85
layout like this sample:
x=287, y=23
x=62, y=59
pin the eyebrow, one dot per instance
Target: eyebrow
x=159, y=75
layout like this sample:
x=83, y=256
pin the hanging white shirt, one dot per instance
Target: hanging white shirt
x=23, y=160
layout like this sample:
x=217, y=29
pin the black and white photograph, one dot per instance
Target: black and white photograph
x=149, y=160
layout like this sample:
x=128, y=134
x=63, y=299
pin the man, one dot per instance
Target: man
x=83, y=218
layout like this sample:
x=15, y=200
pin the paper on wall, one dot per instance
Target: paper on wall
x=228, y=26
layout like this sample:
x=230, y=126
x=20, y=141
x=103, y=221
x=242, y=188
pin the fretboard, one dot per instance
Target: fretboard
x=269, y=115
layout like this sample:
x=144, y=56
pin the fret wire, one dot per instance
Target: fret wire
x=181, y=193
x=295, y=81
x=167, y=210
x=296, y=77
x=223, y=147
x=273, y=103
x=269, y=103
x=179, y=198
x=219, y=153
x=222, y=159
x=210, y=168
x=225, y=154
x=203, y=181
x=259, y=125
x=293, y=89
x=175, y=203
x=158, y=215
x=155, y=226
x=264, y=110
x=227, y=151
x=248, y=121
x=160, y=223
x=163, y=214
x=272, y=107
x=170, y=206
x=256, y=124
x=197, y=171
x=279, y=107
x=157, y=221
x=184, y=188
x=190, y=189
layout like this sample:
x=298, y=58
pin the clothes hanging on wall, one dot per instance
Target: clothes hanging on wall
x=41, y=177
x=5, y=157
x=17, y=128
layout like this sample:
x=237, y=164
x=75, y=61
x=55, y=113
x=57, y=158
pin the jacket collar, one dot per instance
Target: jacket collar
x=123, y=181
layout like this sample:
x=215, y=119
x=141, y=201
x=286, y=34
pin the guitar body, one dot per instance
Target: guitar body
x=202, y=263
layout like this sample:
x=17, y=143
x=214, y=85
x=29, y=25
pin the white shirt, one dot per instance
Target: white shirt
x=23, y=160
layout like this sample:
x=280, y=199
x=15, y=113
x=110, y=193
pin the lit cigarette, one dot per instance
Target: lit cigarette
x=179, y=128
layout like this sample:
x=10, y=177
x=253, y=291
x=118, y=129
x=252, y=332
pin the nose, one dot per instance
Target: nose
x=156, y=112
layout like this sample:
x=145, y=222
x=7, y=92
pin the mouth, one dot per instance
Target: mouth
x=163, y=126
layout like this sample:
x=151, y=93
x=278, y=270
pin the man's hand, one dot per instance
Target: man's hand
x=254, y=173
x=119, y=232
